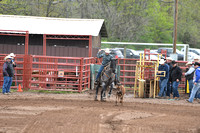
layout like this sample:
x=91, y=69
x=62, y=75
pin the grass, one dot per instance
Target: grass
x=52, y=92
x=44, y=91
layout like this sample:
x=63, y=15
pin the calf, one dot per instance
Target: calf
x=120, y=93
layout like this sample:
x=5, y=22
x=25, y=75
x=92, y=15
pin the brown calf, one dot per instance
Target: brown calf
x=120, y=93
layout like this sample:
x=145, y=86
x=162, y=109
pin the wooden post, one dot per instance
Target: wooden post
x=124, y=51
x=175, y=24
x=141, y=88
x=90, y=46
x=26, y=42
x=44, y=45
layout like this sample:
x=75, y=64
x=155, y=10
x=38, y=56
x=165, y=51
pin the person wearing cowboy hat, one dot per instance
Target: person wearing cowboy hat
x=196, y=81
x=175, y=78
x=196, y=59
x=106, y=59
x=163, y=80
x=169, y=85
x=8, y=73
x=189, y=75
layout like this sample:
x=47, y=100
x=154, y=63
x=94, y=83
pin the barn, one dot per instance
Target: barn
x=51, y=36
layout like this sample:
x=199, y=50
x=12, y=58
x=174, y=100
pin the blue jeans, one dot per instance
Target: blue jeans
x=9, y=85
x=194, y=91
x=99, y=72
x=198, y=94
x=175, y=88
x=163, y=85
x=190, y=85
x=6, y=84
x=169, y=88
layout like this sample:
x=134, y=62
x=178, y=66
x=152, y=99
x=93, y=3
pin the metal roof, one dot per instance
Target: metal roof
x=58, y=26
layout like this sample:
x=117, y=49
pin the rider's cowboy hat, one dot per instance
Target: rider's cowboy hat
x=107, y=51
x=12, y=55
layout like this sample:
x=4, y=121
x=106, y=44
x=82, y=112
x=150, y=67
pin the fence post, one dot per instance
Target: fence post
x=27, y=71
x=81, y=75
x=88, y=71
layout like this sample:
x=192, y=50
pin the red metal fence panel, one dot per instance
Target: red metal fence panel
x=45, y=71
x=41, y=72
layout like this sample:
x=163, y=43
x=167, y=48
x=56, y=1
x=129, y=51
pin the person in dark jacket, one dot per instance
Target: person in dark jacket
x=8, y=73
x=176, y=74
x=106, y=59
x=163, y=80
x=169, y=85
x=12, y=55
x=189, y=75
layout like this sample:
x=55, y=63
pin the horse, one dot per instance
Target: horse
x=107, y=78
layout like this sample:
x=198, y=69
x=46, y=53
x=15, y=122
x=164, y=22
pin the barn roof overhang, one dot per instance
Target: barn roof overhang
x=56, y=26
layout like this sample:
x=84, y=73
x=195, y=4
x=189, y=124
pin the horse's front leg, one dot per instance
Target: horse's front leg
x=97, y=90
x=111, y=87
x=103, y=91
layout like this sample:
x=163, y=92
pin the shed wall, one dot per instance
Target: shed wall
x=70, y=48
x=96, y=45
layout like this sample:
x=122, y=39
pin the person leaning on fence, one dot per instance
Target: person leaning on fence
x=189, y=75
x=163, y=80
x=8, y=73
x=196, y=81
x=169, y=85
x=175, y=78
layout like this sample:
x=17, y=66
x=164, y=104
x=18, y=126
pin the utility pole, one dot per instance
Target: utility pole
x=175, y=25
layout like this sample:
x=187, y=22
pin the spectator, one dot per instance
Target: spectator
x=163, y=80
x=189, y=75
x=8, y=73
x=176, y=74
x=169, y=85
x=196, y=59
x=12, y=55
x=196, y=82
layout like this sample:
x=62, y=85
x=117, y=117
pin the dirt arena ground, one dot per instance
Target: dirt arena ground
x=78, y=113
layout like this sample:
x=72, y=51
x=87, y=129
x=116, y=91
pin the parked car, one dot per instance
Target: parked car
x=194, y=50
x=170, y=51
x=152, y=57
x=114, y=53
x=191, y=56
x=130, y=53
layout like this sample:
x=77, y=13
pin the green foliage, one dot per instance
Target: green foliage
x=126, y=20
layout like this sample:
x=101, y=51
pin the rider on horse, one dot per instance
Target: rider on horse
x=107, y=57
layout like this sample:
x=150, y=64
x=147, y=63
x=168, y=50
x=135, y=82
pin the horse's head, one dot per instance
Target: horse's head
x=113, y=64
